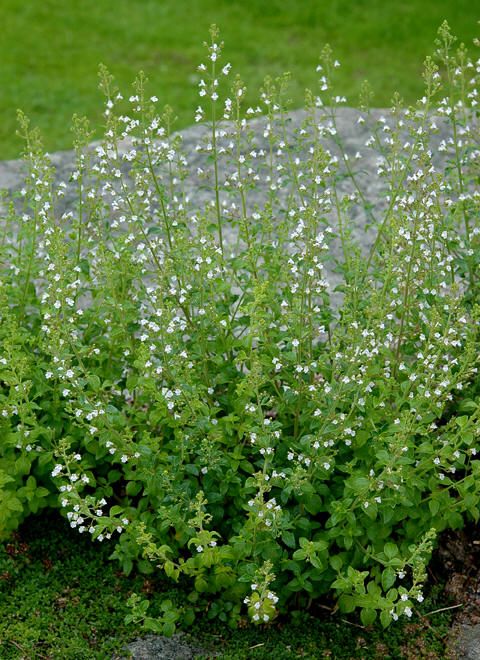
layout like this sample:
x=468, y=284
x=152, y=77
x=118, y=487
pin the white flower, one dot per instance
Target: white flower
x=56, y=470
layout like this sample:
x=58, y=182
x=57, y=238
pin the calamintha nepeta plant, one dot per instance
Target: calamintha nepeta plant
x=227, y=381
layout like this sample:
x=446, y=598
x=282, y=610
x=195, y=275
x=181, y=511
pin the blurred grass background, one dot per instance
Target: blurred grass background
x=50, y=50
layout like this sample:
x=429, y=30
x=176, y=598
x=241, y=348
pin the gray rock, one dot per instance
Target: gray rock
x=198, y=190
x=157, y=647
x=467, y=643
x=353, y=136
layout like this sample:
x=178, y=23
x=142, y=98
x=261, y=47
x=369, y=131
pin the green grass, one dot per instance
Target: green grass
x=61, y=599
x=50, y=50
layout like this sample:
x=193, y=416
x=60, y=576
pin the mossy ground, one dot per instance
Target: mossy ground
x=61, y=598
x=50, y=51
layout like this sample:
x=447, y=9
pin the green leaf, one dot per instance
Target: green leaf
x=455, y=520
x=385, y=618
x=468, y=406
x=388, y=578
x=22, y=465
x=12, y=503
x=127, y=565
x=31, y=482
x=154, y=626
x=169, y=629
x=336, y=562
x=201, y=584
x=45, y=458
x=5, y=478
x=188, y=617
x=114, y=476
x=347, y=603
x=299, y=555
x=358, y=484
x=312, y=503
x=368, y=616
x=316, y=562
x=320, y=545
x=170, y=570
x=390, y=550
x=289, y=539
x=94, y=382
x=133, y=488
x=434, y=506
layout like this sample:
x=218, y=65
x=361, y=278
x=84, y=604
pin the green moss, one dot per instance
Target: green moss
x=59, y=595
x=60, y=598
x=50, y=51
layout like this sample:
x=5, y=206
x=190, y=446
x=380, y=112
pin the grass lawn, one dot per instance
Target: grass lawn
x=61, y=599
x=50, y=50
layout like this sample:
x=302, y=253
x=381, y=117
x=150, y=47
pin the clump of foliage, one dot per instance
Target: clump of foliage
x=61, y=598
x=189, y=378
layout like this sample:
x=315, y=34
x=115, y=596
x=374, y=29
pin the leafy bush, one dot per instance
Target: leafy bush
x=188, y=379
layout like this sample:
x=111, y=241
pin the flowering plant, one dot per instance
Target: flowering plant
x=230, y=383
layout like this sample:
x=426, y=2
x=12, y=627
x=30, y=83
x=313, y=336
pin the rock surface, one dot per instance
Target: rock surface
x=157, y=647
x=354, y=137
x=353, y=127
x=468, y=642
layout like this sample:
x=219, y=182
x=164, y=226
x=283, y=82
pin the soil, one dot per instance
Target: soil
x=457, y=562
